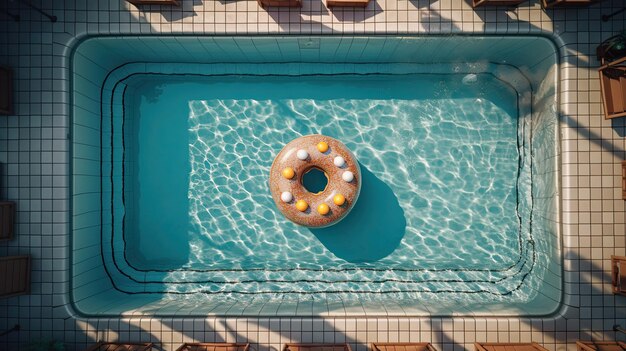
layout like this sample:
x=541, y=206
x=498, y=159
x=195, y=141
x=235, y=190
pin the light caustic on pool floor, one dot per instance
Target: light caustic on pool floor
x=443, y=173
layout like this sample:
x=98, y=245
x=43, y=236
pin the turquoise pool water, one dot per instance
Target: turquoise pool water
x=172, y=140
x=445, y=202
x=440, y=161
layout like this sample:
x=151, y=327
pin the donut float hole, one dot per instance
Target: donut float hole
x=315, y=180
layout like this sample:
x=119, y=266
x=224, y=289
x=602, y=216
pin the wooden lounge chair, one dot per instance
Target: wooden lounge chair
x=624, y=180
x=509, y=346
x=566, y=3
x=279, y=3
x=154, y=2
x=613, y=88
x=479, y=3
x=120, y=346
x=347, y=3
x=618, y=274
x=317, y=347
x=6, y=87
x=7, y=219
x=600, y=345
x=403, y=346
x=213, y=346
x=14, y=275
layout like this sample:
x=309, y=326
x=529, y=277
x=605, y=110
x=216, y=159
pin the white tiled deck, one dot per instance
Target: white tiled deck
x=35, y=158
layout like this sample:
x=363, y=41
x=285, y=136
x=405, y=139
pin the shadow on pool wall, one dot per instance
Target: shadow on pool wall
x=372, y=230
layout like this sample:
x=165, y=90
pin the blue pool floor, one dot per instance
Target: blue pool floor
x=440, y=160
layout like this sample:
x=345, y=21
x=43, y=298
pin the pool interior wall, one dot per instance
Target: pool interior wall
x=196, y=150
x=94, y=60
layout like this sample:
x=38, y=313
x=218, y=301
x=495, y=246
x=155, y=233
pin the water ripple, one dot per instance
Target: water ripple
x=451, y=159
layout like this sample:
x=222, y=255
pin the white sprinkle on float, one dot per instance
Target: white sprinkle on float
x=339, y=161
x=302, y=154
x=347, y=176
x=286, y=196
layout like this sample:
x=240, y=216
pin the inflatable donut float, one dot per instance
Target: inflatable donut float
x=328, y=206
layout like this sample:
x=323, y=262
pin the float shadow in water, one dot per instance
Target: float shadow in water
x=374, y=227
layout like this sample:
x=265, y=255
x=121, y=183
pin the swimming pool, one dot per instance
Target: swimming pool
x=173, y=139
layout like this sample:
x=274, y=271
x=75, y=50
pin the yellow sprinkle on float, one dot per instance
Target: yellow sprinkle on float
x=339, y=199
x=301, y=205
x=322, y=146
x=323, y=209
x=288, y=173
